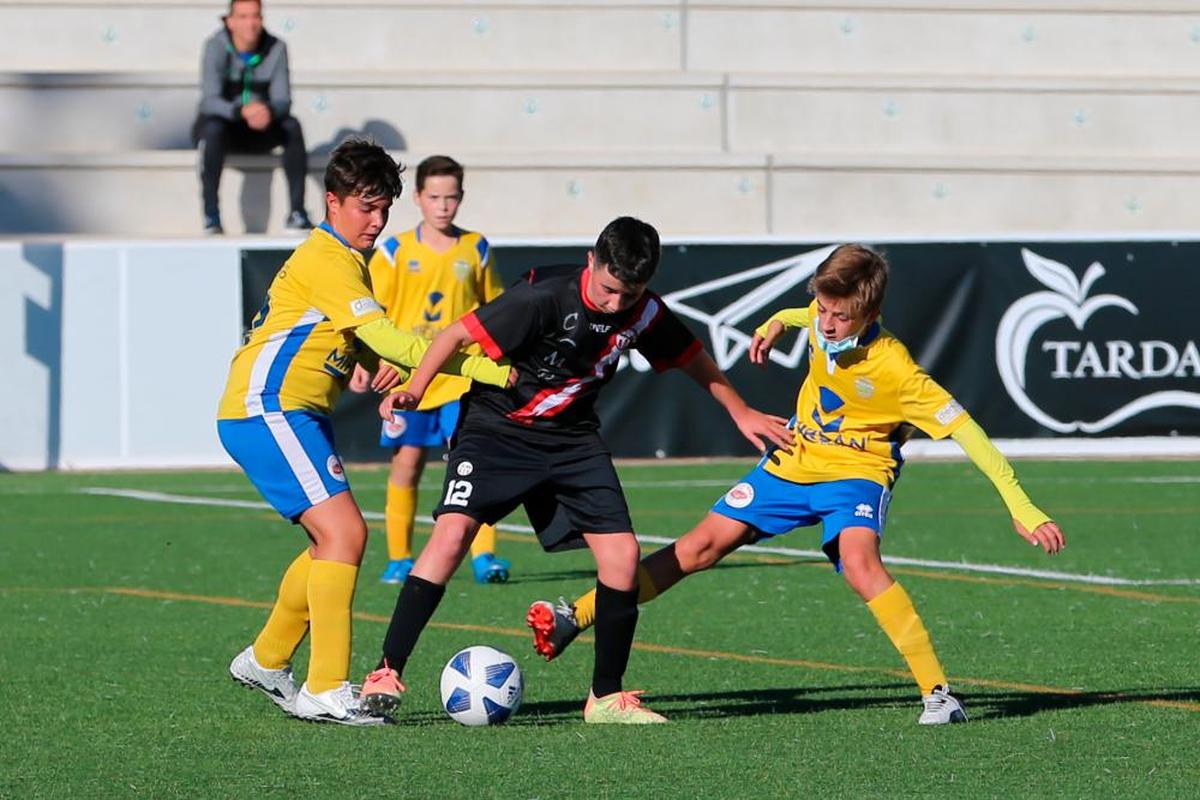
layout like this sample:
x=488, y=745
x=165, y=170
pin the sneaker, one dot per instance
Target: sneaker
x=276, y=684
x=212, y=225
x=489, y=569
x=334, y=705
x=554, y=627
x=298, y=221
x=397, y=571
x=381, y=691
x=622, y=708
x=942, y=708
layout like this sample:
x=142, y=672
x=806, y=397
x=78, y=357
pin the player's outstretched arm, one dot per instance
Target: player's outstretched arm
x=406, y=350
x=768, y=333
x=761, y=430
x=1029, y=521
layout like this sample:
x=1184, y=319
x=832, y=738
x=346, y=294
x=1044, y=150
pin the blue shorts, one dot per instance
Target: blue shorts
x=431, y=428
x=288, y=456
x=774, y=506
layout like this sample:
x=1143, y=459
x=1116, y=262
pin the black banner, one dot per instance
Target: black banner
x=1035, y=339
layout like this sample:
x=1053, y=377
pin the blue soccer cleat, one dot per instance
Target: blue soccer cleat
x=397, y=571
x=489, y=569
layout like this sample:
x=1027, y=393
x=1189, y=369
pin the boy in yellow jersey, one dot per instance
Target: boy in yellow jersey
x=858, y=404
x=426, y=278
x=274, y=422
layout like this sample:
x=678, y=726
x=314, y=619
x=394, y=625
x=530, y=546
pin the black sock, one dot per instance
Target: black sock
x=616, y=620
x=417, y=601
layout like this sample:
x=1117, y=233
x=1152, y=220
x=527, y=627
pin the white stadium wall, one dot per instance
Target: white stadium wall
x=116, y=352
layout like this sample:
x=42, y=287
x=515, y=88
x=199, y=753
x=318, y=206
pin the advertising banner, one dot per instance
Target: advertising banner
x=1035, y=339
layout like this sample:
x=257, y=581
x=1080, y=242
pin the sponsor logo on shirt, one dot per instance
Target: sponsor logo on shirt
x=363, y=306
x=414, y=265
x=465, y=468
x=740, y=495
x=949, y=412
x=599, y=328
x=334, y=467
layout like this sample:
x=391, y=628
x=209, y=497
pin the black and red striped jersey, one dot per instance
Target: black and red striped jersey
x=565, y=350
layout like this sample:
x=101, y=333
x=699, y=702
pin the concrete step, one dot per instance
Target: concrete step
x=1011, y=37
x=351, y=37
x=636, y=112
x=833, y=196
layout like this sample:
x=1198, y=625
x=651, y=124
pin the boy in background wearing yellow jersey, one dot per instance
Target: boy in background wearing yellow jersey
x=857, y=405
x=426, y=278
x=274, y=422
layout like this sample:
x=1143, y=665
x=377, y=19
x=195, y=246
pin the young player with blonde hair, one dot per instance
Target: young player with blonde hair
x=859, y=402
x=274, y=422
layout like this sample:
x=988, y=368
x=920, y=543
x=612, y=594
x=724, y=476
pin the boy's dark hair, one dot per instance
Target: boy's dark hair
x=231, y=2
x=438, y=165
x=359, y=166
x=853, y=272
x=629, y=249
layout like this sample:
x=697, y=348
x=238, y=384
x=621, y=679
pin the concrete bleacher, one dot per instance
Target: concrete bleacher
x=727, y=118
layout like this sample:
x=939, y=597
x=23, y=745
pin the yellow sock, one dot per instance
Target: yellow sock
x=485, y=541
x=894, y=611
x=288, y=622
x=399, y=513
x=330, y=597
x=585, y=606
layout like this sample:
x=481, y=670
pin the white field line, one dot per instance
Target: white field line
x=963, y=566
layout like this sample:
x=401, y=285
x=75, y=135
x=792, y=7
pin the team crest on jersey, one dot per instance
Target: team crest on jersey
x=461, y=269
x=465, y=468
x=740, y=495
x=334, y=465
x=864, y=388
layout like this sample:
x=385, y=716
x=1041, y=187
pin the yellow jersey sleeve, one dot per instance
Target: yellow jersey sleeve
x=992, y=463
x=923, y=402
x=487, y=278
x=788, y=318
x=341, y=291
x=382, y=268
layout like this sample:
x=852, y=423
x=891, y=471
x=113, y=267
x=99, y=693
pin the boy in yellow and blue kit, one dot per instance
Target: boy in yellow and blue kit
x=858, y=404
x=274, y=422
x=427, y=278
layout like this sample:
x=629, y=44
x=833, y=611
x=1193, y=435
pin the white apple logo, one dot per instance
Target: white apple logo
x=1069, y=299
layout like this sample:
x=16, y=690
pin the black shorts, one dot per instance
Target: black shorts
x=568, y=487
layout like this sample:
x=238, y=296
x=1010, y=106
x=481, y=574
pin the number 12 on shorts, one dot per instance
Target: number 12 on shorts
x=457, y=493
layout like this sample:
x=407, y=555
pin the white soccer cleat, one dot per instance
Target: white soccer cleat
x=942, y=708
x=334, y=705
x=276, y=684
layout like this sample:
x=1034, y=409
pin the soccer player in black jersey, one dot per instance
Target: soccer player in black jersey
x=538, y=444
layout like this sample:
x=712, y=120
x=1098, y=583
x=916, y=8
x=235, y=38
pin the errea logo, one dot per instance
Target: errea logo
x=864, y=510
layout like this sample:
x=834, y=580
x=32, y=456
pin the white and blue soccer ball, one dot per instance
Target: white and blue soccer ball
x=481, y=686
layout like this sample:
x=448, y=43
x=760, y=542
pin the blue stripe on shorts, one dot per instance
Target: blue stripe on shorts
x=288, y=456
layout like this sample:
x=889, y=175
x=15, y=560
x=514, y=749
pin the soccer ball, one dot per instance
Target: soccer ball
x=481, y=686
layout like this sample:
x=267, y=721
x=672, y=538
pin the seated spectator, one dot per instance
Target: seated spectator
x=245, y=105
